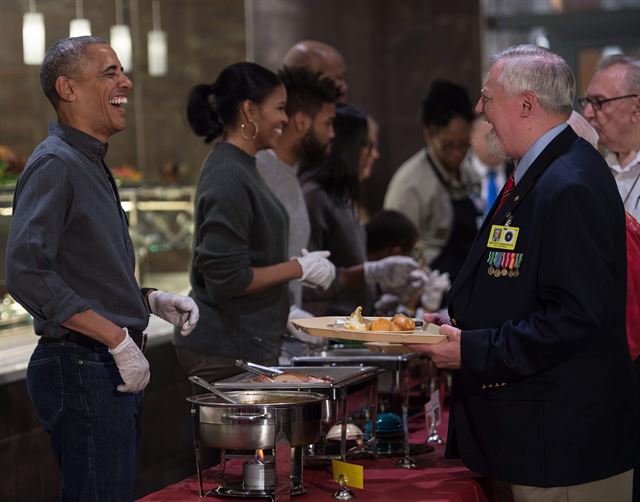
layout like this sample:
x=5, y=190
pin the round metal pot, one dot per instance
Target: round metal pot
x=259, y=415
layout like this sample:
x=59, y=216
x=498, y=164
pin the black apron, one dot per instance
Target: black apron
x=463, y=231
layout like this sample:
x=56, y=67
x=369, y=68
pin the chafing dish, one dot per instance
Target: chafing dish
x=284, y=421
x=349, y=390
x=251, y=423
x=404, y=372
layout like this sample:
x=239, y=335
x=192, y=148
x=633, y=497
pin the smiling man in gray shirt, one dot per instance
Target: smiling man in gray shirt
x=70, y=262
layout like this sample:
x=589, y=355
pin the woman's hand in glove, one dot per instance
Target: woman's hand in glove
x=391, y=274
x=316, y=269
x=179, y=310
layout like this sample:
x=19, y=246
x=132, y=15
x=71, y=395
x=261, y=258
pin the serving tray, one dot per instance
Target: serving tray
x=329, y=327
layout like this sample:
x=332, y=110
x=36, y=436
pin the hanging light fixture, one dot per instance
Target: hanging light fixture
x=156, y=44
x=120, y=36
x=79, y=27
x=33, y=35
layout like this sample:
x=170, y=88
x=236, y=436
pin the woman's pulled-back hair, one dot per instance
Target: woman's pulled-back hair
x=338, y=173
x=212, y=107
x=445, y=101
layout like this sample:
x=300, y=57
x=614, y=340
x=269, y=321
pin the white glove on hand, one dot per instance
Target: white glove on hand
x=179, y=310
x=386, y=304
x=392, y=274
x=437, y=285
x=132, y=365
x=316, y=269
x=296, y=312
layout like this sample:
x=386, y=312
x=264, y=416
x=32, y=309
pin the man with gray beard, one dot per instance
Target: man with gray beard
x=543, y=397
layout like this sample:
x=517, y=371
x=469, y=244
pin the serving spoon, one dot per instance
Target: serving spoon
x=203, y=383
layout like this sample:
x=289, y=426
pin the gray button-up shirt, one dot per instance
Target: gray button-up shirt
x=69, y=248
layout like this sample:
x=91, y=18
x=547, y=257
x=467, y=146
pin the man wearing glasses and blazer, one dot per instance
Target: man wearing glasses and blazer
x=612, y=107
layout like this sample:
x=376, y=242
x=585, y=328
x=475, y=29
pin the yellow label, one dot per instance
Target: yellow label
x=353, y=474
x=502, y=237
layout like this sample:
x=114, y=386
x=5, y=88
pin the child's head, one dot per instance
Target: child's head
x=390, y=233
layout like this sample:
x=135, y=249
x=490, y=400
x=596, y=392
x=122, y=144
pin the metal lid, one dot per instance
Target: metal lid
x=262, y=398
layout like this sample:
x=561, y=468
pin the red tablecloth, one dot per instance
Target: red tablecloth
x=435, y=479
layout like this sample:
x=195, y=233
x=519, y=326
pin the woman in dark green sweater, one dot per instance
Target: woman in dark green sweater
x=240, y=266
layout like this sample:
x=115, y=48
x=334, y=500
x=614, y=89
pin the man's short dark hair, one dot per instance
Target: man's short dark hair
x=65, y=57
x=307, y=90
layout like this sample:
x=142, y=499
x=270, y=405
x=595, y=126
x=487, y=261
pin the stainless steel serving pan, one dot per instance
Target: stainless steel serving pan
x=415, y=366
x=257, y=417
x=349, y=389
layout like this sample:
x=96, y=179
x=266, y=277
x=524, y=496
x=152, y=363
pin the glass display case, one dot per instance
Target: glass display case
x=161, y=228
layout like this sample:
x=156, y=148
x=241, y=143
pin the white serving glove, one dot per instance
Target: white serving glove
x=436, y=287
x=391, y=274
x=418, y=281
x=296, y=312
x=132, y=365
x=316, y=269
x=386, y=303
x=179, y=310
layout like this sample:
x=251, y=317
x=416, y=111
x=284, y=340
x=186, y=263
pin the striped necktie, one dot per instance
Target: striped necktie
x=506, y=191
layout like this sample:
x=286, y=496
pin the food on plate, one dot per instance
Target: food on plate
x=382, y=324
x=398, y=322
x=356, y=321
x=403, y=322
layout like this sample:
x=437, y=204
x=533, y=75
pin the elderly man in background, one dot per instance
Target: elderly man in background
x=612, y=107
x=320, y=57
x=536, y=326
x=70, y=263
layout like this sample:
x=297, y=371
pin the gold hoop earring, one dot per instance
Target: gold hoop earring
x=255, y=133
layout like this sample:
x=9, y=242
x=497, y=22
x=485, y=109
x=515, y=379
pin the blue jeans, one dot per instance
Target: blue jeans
x=95, y=430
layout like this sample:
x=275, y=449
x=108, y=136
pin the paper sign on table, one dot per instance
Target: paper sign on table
x=353, y=474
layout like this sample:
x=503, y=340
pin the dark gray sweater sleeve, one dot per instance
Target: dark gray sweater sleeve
x=222, y=253
x=41, y=201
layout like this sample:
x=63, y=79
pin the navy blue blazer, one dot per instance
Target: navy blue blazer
x=546, y=395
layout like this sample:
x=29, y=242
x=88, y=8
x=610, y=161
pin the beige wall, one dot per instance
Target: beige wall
x=204, y=36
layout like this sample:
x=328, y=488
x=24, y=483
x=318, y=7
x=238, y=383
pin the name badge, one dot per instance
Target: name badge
x=502, y=237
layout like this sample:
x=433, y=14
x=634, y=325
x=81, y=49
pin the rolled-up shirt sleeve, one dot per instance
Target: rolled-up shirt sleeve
x=41, y=204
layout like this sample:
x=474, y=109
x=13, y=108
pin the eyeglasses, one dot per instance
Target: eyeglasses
x=597, y=103
x=447, y=146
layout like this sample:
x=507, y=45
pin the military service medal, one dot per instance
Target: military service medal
x=503, y=264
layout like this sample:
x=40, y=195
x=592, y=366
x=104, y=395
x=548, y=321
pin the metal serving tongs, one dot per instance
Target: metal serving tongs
x=203, y=383
x=258, y=369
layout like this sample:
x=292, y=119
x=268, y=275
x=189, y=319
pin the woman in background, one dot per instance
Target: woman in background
x=240, y=267
x=436, y=188
x=331, y=190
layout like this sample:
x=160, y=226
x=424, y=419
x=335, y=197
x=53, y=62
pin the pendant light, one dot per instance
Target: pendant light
x=156, y=44
x=120, y=39
x=79, y=27
x=33, y=36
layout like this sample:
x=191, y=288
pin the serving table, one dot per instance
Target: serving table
x=435, y=479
